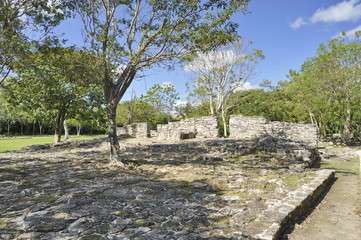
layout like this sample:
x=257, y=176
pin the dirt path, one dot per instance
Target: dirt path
x=338, y=216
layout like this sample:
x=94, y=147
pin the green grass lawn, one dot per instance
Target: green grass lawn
x=18, y=143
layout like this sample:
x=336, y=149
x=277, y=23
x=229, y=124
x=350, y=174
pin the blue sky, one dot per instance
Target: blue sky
x=288, y=31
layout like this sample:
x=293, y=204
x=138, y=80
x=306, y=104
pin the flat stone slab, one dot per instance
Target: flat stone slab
x=168, y=192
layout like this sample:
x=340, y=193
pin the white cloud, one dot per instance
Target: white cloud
x=298, y=23
x=180, y=103
x=246, y=86
x=341, y=12
x=168, y=84
x=351, y=33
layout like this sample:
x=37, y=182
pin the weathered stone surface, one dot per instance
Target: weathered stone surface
x=136, y=130
x=254, y=127
x=217, y=189
x=202, y=127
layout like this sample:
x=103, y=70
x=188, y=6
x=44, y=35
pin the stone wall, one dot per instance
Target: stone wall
x=202, y=127
x=136, y=130
x=254, y=127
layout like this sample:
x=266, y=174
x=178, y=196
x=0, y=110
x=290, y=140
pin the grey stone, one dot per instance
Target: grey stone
x=254, y=127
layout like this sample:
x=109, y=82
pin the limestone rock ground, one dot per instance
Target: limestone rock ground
x=166, y=193
x=338, y=216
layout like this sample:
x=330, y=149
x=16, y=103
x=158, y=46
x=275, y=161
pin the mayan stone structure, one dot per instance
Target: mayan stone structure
x=203, y=127
x=136, y=130
x=253, y=127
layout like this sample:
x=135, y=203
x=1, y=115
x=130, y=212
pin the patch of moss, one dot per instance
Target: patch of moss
x=124, y=214
x=144, y=222
x=48, y=199
x=85, y=177
x=188, y=229
x=4, y=222
x=335, y=148
x=24, y=199
x=242, y=195
x=292, y=181
x=26, y=185
x=12, y=214
x=72, y=183
x=102, y=155
x=223, y=222
x=166, y=228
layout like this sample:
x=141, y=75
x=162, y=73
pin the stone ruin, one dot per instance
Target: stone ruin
x=136, y=130
x=241, y=127
x=294, y=140
x=254, y=127
x=203, y=127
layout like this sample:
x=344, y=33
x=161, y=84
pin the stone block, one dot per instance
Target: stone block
x=203, y=127
x=136, y=130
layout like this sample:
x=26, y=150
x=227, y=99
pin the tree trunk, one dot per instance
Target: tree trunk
x=113, y=138
x=66, y=130
x=223, y=114
x=311, y=117
x=59, y=125
x=9, y=125
x=347, y=131
x=211, y=107
x=34, y=124
x=40, y=128
x=78, y=129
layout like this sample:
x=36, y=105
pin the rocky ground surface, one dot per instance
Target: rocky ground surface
x=169, y=191
x=338, y=215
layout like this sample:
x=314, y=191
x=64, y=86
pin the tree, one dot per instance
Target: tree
x=20, y=15
x=273, y=104
x=92, y=118
x=328, y=86
x=136, y=110
x=58, y=80
x=162, y=97
x=78, y=122
x=6, y=115
x=221, y=72
x=131, y=36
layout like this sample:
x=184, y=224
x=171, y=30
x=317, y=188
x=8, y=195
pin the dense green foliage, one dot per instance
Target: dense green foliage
x=136, y=111
x=155, y=107
x=16, y=18
x=328, y=87
x=57, y=84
